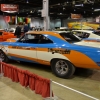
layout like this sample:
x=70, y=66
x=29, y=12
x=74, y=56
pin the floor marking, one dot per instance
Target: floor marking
x=76, y=91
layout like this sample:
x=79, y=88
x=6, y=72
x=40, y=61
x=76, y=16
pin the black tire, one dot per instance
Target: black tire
x=67, y=68
x=3, y=56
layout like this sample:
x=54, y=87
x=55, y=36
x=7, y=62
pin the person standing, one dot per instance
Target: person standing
x=26, y=28
x=18, y=31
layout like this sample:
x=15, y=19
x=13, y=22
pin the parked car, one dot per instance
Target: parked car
x=87, y=33
x=6, y=35
x=54, y=49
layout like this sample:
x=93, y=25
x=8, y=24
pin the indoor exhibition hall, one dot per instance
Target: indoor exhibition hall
x=49, y=49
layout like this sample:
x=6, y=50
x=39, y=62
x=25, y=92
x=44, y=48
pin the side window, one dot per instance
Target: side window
x=44, y=40
x=30, y=38
x=85, y=35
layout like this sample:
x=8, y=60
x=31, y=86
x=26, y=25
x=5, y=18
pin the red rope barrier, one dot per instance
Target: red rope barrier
x=36, y=83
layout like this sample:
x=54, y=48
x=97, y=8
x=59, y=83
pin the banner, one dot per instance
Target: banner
x=83, y=25
x=10, y=8
x=76, y=16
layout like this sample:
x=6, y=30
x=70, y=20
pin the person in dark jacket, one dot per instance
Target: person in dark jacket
x=18, y=31
x=26, y=28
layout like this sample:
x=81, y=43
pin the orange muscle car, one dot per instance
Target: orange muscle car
x=6, y=35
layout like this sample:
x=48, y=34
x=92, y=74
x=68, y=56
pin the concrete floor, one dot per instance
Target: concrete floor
x=84, y=80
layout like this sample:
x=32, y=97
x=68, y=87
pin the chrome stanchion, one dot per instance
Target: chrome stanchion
x=1, y=74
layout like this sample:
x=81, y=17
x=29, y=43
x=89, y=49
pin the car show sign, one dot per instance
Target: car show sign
x=76, y=16
x=10, y=8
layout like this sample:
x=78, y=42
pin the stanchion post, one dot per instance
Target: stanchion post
x=50, y=88
x=51, y=97
x=1, y=68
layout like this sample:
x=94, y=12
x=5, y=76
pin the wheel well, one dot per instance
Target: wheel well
x=59, y=58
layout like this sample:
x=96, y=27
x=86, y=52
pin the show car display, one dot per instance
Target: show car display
x=57, y=50
x=86, y=33
x=4, y=35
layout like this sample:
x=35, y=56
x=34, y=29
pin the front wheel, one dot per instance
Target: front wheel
x=62, y=68
x=3, y=57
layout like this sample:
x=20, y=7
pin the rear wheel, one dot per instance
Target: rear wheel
x=62, y=68
x=3, y=57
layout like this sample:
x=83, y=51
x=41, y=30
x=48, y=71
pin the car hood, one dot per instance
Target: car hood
x=89, y=42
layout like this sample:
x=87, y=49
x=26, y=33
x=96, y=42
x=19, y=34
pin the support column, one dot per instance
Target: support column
x=16, y=20
x=45, y=14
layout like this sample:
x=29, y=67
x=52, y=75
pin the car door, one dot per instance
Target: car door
x=45, y=51
x=24, y=50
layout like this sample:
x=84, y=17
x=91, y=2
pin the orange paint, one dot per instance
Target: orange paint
x=10, y=40
x=6, y=35
x=29, y=58
x=81, y=60
x=91, y=41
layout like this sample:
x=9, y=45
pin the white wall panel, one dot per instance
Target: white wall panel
x=57, y=23
x=3, y=23
x=38, y=22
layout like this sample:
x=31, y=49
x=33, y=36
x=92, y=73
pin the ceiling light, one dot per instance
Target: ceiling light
x=58, y=3
x=85, y=1
x=63, y=8
x=39, y=10
x=31, y=11
x=73, y=2
x=79, y=5
x=27, y=1
x=96, y=9
x=51, y=13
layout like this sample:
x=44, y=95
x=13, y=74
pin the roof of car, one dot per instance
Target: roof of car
x=46, y=32
x=88, y=31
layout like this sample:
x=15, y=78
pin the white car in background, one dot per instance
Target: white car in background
x=74, y=37
x=86, y=34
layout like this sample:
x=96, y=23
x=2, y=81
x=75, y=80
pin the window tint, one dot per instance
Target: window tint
x=44, y=40
x=70, y=37
x=81, y=34
x=35, y=39
x=30, y=38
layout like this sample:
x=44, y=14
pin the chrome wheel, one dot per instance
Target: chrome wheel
x=61, y=67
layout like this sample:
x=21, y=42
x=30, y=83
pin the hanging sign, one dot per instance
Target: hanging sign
x=76, y=16
x=10, y=8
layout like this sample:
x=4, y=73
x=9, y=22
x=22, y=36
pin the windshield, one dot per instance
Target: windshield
x=70, y=37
